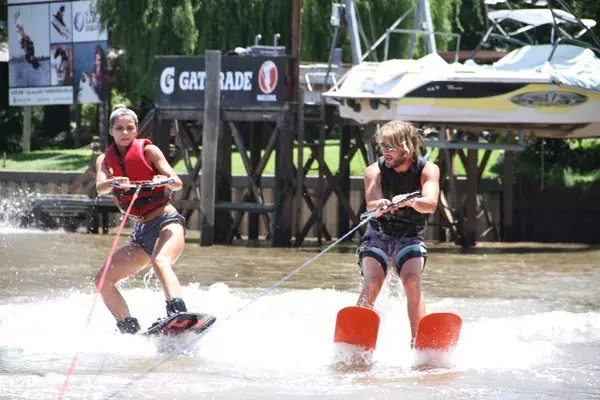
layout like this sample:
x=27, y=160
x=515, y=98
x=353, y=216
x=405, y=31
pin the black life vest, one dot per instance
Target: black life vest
x=404, y=222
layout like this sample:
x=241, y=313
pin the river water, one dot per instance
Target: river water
x=531, y=325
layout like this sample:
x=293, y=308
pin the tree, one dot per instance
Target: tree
x=146, y=28
x=469, y=17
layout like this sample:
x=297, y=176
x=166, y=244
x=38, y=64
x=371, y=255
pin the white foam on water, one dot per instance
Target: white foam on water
x=288, y=330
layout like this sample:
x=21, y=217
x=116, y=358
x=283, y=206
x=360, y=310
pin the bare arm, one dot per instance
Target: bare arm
x=430, y=189
x=157, y=159
x=102, y=179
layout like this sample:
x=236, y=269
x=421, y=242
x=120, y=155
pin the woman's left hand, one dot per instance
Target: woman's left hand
x=161, y=178
x=158, y=178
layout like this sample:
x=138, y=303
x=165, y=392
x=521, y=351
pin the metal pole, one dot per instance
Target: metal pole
x=352, y=22
x=426, y=17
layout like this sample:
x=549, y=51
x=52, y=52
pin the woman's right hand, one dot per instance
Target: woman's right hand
x=120, y=180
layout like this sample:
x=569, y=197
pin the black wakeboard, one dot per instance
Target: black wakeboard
x=181, y=323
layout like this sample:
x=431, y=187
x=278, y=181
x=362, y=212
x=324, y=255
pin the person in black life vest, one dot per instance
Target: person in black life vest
x=27, y=46
x=395, y=234
x=158, y=236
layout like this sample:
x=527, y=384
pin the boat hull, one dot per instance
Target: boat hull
x=544, y=110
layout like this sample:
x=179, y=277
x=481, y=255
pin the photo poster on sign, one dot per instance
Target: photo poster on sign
x=89, y=69
x=57, y=53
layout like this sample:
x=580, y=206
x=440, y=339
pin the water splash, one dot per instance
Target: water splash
x=16, y=207
x=345, y=355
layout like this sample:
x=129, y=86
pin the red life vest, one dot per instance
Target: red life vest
x=134, y=166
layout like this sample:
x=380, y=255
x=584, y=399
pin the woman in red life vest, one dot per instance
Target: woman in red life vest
x=158, y=236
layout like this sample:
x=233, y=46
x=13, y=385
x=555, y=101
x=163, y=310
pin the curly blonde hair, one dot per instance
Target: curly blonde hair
x=401, y=135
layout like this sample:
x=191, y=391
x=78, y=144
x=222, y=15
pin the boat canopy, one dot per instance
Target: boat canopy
x=534, y=17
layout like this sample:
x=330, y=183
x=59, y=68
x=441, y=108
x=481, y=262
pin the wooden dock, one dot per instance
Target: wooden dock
x=69, y=212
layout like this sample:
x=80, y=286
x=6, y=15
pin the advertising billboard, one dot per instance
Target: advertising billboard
x=246, y=82
x=57, y=53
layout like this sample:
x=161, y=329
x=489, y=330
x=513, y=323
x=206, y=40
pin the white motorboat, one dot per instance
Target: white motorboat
x=544, y=90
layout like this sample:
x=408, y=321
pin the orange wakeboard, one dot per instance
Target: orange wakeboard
x=357, y=326
x=438, y=331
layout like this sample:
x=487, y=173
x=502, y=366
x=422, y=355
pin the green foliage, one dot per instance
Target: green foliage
x=468, y=17
x=10, y=122
x=11, y=126
x=117, y=97
x=147, y=28
x=568, y=161
x=89, y=120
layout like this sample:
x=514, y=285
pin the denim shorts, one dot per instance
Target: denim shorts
x=385, y=248
x=146, y=234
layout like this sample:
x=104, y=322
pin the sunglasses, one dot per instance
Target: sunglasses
x=385, y=147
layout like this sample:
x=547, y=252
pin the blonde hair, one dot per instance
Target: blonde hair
x=120, y=110
x=401, y=135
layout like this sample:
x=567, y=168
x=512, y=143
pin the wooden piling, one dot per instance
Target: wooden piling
x=472, y=190
x=212, y=105
x=507, y=196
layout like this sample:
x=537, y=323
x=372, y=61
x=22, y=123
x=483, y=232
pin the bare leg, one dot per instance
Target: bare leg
x=415, y=303
x=374, y=276
x=168, y=249
x=126, y=261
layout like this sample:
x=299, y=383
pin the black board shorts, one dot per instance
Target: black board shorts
x=385, y=249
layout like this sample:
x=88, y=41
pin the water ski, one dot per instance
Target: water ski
x=438, y=331
x=181, y=323
x=357, y=326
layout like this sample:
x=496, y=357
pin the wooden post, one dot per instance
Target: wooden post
x=93, y=221
x=507, y=196
x=284, y=192
x=26, y=138
x=256, y=134
x=210, y=135
x=472, y=189
x=321, y=201
x=299, y=195
x=161, y=134
x=343, y=217
x=296, y=47
x=77, y=126
x=223, y=219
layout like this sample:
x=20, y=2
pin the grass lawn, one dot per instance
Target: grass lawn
x=48, y=160
x=78, y=160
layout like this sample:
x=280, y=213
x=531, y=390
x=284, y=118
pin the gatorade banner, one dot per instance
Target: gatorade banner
x=245, y=81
